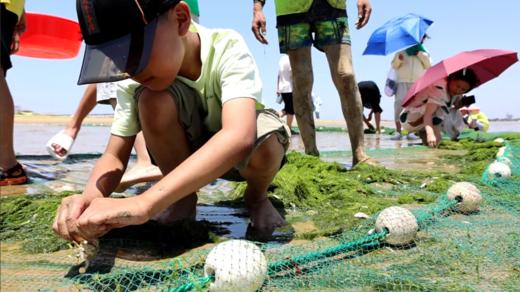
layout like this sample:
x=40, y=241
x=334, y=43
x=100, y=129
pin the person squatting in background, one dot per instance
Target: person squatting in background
x=371, y=97
x=436, y=108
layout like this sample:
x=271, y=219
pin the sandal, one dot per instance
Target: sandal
x=14, y=176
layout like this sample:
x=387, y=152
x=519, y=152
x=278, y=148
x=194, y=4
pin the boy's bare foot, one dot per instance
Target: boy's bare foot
x=264, y=219
x=186, y=208
x=139, y=174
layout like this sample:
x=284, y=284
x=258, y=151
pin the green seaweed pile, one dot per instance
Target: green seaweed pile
x=306, y=189
x=29, y=219
x=328, y=195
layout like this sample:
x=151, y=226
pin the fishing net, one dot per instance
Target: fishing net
x=365, y=229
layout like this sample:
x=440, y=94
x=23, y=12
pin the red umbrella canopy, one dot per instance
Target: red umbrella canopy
x=485, y=63
x=50, y=37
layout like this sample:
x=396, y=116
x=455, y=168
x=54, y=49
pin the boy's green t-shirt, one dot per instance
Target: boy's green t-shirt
x=228, y=71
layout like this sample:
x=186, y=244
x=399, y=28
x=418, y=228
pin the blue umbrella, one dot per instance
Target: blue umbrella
x=397, y=34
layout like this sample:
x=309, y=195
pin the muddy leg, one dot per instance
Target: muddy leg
x=259, y=173
x=301, y=65
x=340, y=63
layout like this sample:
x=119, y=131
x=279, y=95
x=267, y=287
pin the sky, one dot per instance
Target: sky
x=49, y=86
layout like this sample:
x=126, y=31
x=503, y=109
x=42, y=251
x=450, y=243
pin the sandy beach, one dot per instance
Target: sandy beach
x=106, y=120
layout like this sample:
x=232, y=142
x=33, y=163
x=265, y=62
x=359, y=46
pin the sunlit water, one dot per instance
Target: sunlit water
x=48, y=175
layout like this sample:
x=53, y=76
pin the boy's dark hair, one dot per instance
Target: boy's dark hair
x=466, y=75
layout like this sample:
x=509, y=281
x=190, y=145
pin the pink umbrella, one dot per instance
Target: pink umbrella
x=486, y=63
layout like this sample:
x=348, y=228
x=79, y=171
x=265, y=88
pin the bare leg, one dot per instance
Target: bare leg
x=398, y=126
x=342, y=71
x=168, y=144
x=378, y=122
x=86, y=104
x=143, y=170
x=301, y=65
x=7, y=155
x=438, y=135
x=290, y=120
x=259, y=173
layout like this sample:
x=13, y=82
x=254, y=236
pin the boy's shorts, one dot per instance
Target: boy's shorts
x=190, y=108
x=326, y=32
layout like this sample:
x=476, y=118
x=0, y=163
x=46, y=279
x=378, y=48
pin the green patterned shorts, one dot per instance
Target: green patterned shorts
x=319, y=33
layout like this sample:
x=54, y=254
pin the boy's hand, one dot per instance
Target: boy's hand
x=65, y=222
x=105, y=214
x=364, y=11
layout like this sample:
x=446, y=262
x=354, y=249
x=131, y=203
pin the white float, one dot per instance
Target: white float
x=400, y=224
x=499, y=169
x=506, y=161
x=501, y=152
x=236, y=265
x=467, y=194
x=499, y=140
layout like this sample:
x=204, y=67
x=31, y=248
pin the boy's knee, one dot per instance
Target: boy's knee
x=156, y=109
x=268, y=155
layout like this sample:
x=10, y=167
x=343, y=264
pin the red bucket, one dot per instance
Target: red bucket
x=50, y=37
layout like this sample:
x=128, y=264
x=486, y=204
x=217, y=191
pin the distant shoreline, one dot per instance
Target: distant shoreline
x=106, y=120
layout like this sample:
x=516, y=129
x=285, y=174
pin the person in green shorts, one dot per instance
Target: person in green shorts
x=199, y=109
x=324, y=24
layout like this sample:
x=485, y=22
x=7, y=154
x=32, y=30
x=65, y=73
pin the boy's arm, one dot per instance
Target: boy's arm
x=224, y=150
x=109, y=169
x=103, y=180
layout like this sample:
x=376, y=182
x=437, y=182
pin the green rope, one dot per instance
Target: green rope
x=369, y=240
x=190, y=286
x=353, y=245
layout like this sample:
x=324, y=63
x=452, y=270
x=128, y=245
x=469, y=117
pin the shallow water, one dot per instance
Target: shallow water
x=48, y=175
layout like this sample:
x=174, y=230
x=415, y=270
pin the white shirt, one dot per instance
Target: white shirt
x=284, y=75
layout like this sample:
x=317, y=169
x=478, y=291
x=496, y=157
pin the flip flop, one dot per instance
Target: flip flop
x=62, y=139
x=13, y=176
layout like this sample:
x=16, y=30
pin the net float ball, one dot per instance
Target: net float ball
x=236, y=265
x=499, y=140
x=501, y=152
x=399, y=223
x=468, y=196
x=499, y=169
x=506, y=161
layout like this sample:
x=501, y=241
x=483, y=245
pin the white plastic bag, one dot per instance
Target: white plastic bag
x=453, y=124
x=279, y=99
x=391, y=83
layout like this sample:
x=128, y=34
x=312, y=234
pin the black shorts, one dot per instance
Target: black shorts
x=373, y=104
x=8, y=20
x=370, y=95
x=288, y=103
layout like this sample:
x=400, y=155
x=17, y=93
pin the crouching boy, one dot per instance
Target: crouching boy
x=195, y=94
